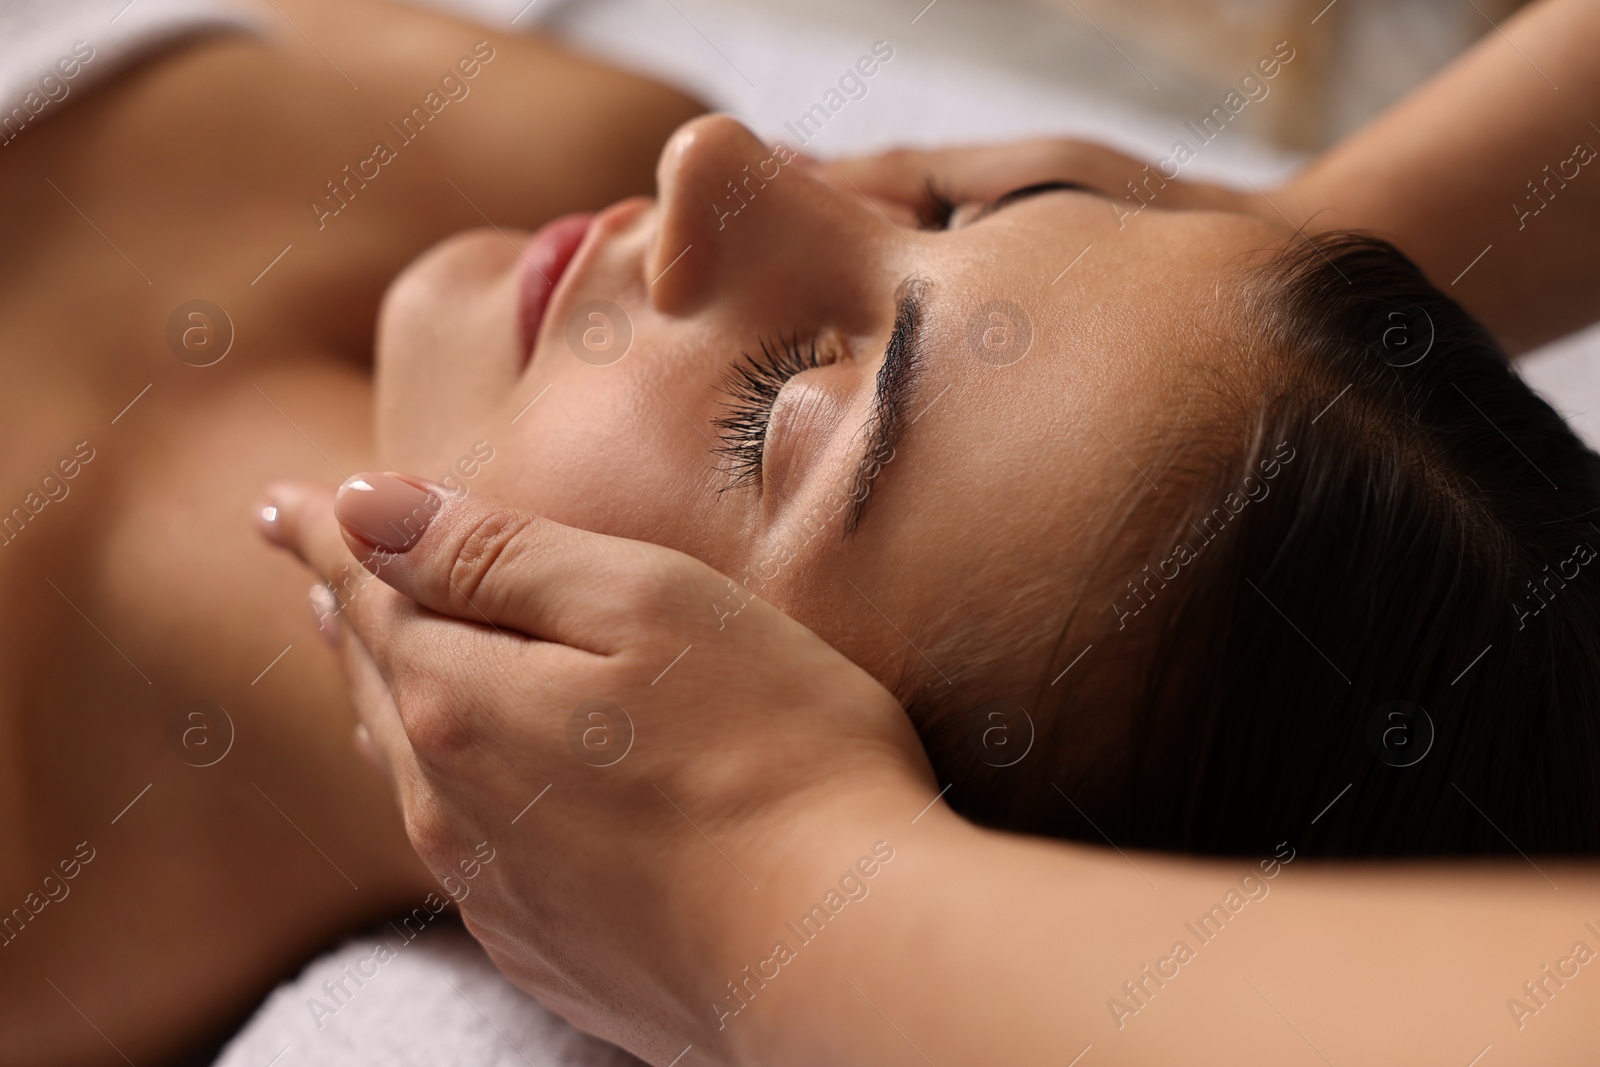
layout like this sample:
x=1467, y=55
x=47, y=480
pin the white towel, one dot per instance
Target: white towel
x=433, y=1001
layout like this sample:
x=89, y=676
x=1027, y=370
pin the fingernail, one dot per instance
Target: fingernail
x=268, y=520
x=382, y=509
x=325, y=607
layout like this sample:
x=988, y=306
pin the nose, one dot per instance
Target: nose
x=740, y=218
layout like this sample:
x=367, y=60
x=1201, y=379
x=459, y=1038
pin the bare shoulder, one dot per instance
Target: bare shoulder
x=359, y=133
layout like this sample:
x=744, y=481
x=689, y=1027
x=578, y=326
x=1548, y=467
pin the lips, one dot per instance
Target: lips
x=545, y=259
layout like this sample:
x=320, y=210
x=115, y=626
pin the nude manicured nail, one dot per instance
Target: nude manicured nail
x=382, y=509
x=269, y=518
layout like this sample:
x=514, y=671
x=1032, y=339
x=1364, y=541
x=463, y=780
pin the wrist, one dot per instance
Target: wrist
x=845, y=886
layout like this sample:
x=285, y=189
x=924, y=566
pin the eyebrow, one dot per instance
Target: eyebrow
x=903, y=361
x=896, y=381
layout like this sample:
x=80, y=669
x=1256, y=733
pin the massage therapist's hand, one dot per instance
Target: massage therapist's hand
x=676, y=749
x=980, y=173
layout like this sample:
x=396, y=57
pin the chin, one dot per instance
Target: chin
x=461, y=268
x=446, y=348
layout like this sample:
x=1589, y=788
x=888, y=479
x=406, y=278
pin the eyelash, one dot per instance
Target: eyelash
x=752, y=386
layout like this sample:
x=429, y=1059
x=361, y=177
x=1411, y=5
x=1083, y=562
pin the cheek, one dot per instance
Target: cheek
x=593, y=453
x=623, y=449
x=626, y=448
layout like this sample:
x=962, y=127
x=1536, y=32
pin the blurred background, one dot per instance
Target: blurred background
x=1354, y=56
x=1174, y=58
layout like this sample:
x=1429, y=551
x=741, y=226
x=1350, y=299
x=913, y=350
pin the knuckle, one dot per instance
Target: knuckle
x=652, y=591
x=430, y=833
x=436, y=718
x=486, y=543
x=661, y=595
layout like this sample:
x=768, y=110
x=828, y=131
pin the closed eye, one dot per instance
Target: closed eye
x=752, y=386
x=939, y=205
x=1005, y=200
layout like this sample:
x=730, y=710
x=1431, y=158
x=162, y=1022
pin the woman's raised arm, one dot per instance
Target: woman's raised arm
x=716, y=840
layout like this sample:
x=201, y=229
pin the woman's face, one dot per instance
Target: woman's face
x=1036, y=350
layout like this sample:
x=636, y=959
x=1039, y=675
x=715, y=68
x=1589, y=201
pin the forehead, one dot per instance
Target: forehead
x=1064, y=356
x=1056, y=308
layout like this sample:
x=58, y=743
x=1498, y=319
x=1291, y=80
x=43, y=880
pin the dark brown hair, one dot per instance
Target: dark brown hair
x=1393, y=648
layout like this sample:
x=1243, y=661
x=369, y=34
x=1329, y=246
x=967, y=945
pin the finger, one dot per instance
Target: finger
x=482, y=561
x=907, y=179
x=393, y=654
x=381, y=738
x=299, y=517
x=385, y=741
x=346, y=605
x=406, y=668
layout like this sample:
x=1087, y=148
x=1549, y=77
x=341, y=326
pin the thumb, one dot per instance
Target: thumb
x=484, y=561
